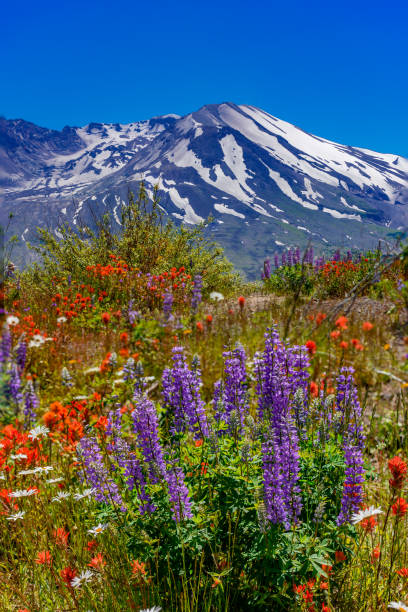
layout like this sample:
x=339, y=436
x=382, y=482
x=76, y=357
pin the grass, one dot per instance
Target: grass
x=79, y=539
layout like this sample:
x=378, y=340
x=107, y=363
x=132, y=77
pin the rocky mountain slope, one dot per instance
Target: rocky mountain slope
x=267, y=183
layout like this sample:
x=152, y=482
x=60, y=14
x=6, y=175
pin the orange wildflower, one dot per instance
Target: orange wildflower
x=311, y=347
x=342, y=322
x=97, y=562
x=43, y=558
x=68, y=574
x=339, y=556
x=400, y=507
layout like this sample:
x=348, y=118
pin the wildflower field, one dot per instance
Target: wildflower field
x=173, y=438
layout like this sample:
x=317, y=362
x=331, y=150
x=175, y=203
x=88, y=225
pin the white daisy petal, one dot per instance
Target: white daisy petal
x=15, y=517
x=38, y=431
x=98, y=529
x=364, y=514
x=60, y=496
x=398, y=605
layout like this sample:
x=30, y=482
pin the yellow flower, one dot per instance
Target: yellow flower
x=187, y=331
x=386, y=347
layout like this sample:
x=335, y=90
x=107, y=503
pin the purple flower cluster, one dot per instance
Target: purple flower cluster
x=97, y=474
x=132, y=471
x=181, y=395
x=146, y=428
x=167, y=305
x=31, y=403
x=231, y=394
x=348, y=421
x=21, y=354
x=129, y=372
x=5, y=345
x=15, y=384
x=196, y=297
x=292, y=257
x=281, y=374
x=178, y=493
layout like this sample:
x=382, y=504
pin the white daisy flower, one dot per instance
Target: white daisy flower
x=364, y=514
x=92, y=370
x=98, y=529
x=27, y=472
x=37, y=432
x=215, y=295
x=11, y=320
x=85, y=493
x=62, y=320
x=53, y=480
x=85, y=576
x=35, y=344
x=60, y=496
x=20, y=456
x=2, y=476
x=23, y=493
x=154, y=609
x=44, y=468
x=38, y=338
x=78, y=398
x=398, y=605
x=16, y=516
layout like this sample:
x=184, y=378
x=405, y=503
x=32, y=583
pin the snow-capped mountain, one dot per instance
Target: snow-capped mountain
x=267, y=183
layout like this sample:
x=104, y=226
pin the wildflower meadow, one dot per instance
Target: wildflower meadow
x=174, y=438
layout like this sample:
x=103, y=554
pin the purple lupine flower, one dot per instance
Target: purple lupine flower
x=21, y=354
x=283, y=258
x=297, y=255
x=131, y=313
x=290, y=258
x=348, y=412
x=178, y=493
x=353, y=483
x=298, y=363
x=146, y=427
x=167, y=305
x=97, y=474
x=273, y=482
x=132, y=471
x=114, y=423
x=181, y=394
x=231, y=394
x=5, y=345
x=267, y=268
x=31, y=403
x=129, y=372
x=278, y=381
x=66, y=377
x=336, y=256
x=196, y=297
x=15, y=384
x=276, y=260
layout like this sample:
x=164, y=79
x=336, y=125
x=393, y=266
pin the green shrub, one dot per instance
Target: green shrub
x=146, y=240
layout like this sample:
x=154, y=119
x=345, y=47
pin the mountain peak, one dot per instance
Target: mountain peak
x=267, y=183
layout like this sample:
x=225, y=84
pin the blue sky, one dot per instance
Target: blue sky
x=338, y=70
